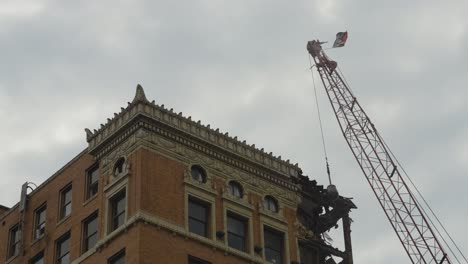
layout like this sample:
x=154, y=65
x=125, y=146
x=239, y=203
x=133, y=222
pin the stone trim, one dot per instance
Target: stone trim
x=142, y=128
x=141, y=106
x=145, y=218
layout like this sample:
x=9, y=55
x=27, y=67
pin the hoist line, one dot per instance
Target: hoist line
x=320, y=122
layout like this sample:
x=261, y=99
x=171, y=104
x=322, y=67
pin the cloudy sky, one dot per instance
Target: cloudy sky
x=242, y=66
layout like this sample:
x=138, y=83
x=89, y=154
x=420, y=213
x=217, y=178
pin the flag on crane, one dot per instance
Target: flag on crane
x=341, y=38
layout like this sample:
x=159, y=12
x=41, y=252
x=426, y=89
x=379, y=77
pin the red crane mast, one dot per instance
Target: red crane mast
x=395, y=197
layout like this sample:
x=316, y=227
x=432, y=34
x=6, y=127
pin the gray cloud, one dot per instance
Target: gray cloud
x=242, y=67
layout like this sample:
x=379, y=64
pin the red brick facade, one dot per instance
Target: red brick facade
x=157, y=182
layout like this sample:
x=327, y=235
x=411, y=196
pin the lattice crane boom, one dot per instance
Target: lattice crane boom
x=392, y=192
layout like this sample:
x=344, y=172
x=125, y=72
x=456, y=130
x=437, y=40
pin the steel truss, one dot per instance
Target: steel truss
x=388, y=185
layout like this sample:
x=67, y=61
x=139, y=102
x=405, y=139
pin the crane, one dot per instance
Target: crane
x=403, y=211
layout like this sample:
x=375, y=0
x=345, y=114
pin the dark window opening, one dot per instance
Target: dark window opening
x=198, y=217
x=65, y=202
x=237, y=232
x=92, y=182
x=90, y=234
x=271, y=204
x=63, y=249
x=273, y=245
x=198, y=174
x=194, y=260
x=38, y=259
x=40, y=222
x=118, y=205
x=118, y=258
x=119, y=166
x=14, y=241
x=235, y=189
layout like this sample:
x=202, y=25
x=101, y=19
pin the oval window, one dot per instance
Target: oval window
x=198, y=174
x=271, y=204
x=235, y=189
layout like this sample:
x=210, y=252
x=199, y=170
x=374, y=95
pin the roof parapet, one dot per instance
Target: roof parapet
x=141, y=105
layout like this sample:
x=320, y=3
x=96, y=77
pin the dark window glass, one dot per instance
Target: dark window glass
x=38, y=259
x=63, y=249
x=65, y=202
x=119, y=166
x=90, y=234
x=235, y=189
x=198, y=174
x=40, y=221
x=194, y=260
x=118, y=258
x=198, y=217
x=92, y=182
x=14, y=241
x=273, y=246
x=118, y=204
x=271, y=204
x=236, y=228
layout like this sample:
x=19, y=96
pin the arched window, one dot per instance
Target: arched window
x=271, y=204
x=198, y=174
x=119, y=166
x=235, y=189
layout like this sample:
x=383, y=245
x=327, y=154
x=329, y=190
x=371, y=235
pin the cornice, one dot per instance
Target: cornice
x=140, y=106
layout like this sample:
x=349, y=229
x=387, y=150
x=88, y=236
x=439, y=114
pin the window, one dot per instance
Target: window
x=65, y=201
x=273, y=246
x=39, y=222
x=63, y=249
x=118, y=258
x=198, y=174
x=198, y=217
x=14, y=241
x=38, y=259
x=235, y=189
x=92, y=181
x=236, y=229
x=90, y=234
x=271, y=204
x=119, y=166
x=194, y=260
x=118, y=205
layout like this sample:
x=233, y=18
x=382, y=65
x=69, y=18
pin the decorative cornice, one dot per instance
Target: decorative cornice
x=141, y=106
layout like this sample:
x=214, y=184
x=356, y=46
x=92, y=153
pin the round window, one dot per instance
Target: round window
x=271, y=204
x=198, y=174
x=235, y=189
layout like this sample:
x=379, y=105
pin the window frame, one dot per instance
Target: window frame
x=85, y=247
x=245, y=221
x=112, y=259
x=63, y=203
x=268, y=200
x=13, y=244
x=195, y=260
x=58, y=252
x=91, y=185
x=231, y=189
x=208, y=207
x=36, y=258
x=202, y=174
x=37, y=224
x=111, y=209
x=283, y=250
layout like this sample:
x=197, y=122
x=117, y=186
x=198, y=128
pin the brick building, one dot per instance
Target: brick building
x=156, y=187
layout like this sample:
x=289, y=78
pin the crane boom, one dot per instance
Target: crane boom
x=371, y=153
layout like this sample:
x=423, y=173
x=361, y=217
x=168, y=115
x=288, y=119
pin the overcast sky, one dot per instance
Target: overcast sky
x=242, y=66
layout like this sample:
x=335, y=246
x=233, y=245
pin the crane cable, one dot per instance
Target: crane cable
x=422, y=197
x=320, y=122
x=430, y=209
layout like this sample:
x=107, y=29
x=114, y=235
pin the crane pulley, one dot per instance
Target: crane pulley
x=375, y=160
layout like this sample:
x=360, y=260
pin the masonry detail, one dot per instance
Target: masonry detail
x=154, y=186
